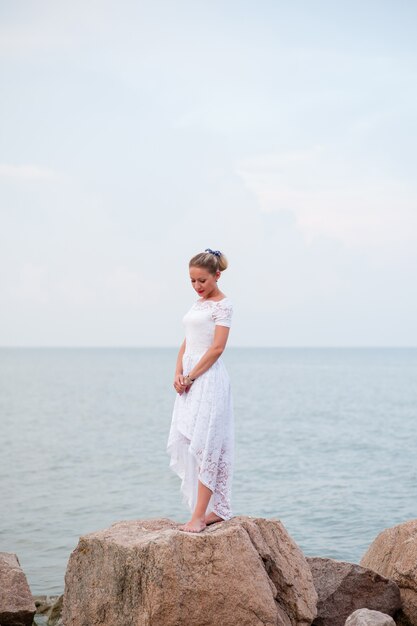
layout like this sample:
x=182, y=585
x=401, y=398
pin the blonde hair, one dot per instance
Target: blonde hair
x=211, y=260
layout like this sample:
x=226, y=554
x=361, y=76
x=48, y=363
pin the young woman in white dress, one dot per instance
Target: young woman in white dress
x=201, y=438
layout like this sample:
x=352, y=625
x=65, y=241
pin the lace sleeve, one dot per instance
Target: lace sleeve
x=222, y=314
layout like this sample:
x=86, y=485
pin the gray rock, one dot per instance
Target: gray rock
x=345, y=587
x=365, y=617
x=17, y=606
x=241, y=571
x=42, y=603
x=56, y=611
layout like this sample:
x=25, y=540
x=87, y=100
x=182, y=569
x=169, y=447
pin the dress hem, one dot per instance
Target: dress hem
x=186, y=496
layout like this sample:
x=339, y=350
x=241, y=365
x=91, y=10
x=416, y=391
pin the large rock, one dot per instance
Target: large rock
x=17, y=606
x=344, y=587
x=243, y=571
x=394, y=554
x=365, y=617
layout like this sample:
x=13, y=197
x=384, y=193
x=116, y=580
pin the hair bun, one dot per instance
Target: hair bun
x=211, y=260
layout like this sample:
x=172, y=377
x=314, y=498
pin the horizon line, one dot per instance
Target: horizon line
x=245, y=347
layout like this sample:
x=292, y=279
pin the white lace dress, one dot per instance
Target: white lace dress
x=201, y=438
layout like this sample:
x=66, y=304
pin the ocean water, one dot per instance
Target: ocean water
x=326, y=441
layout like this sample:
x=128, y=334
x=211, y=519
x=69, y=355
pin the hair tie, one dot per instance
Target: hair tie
x=215, y=252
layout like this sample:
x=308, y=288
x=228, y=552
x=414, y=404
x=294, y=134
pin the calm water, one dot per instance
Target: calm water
x=325, y=441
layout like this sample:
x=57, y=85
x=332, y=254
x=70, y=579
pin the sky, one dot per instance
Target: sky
x=135, y=134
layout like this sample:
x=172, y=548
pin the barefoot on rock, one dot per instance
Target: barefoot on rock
x=193, y=526
x=212, y=518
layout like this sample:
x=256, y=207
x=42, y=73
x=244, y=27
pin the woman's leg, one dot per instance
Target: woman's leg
x=198, y=521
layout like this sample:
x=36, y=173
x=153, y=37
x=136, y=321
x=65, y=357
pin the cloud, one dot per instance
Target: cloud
x=20, y=41
x=330, y=196
x=27, y=172
x=31, y=285
x=115, y=287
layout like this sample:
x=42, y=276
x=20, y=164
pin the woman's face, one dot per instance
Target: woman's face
x=204, y=283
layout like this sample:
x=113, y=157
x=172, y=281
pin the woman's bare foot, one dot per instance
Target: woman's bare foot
x=211, y=518
x=194, y=525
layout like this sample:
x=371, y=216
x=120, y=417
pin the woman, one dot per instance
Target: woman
x=201, y=438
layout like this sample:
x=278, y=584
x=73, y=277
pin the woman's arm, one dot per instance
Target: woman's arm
x=178, y=377
x=221, y=334
x=178, y=367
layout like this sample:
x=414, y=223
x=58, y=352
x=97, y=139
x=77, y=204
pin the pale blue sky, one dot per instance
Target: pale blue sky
x=135, y=134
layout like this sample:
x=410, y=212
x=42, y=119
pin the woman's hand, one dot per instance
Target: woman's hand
x=188, y=381
x=182, y=383
x=179, y=383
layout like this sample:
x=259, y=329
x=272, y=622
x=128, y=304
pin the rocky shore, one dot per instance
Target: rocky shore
x=246, y=571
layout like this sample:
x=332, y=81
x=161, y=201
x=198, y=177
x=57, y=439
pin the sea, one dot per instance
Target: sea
x=326, y=442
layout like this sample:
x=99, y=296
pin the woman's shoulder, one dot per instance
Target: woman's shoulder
x=223, y=303
x=222, y=312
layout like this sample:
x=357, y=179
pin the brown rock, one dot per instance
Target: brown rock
x=246, y=571
x=365, y=617
x=394, y=554
x=345, y=587
x=17, y=607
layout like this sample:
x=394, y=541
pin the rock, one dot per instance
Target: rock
x=344, y=587
x=394, y=554
x=243, y=571
x=56, y=611
x=44, y=603
x=17, y=607
x=365, y=617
